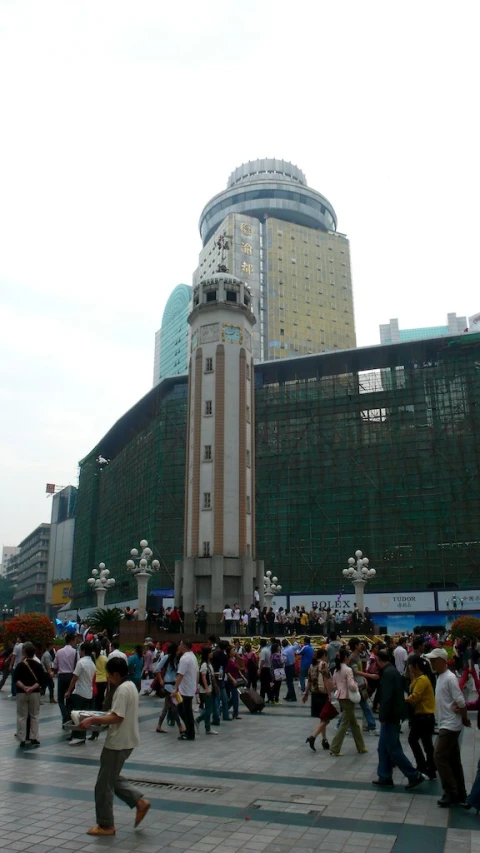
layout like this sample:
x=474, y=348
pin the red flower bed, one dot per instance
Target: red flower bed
x=466, y=626
x=34, y=627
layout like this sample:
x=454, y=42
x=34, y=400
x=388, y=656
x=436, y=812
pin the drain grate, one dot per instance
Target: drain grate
x=170, y=786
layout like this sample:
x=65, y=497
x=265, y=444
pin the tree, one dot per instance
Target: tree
x=105, y=619
x=466, y=626
x=35, y=627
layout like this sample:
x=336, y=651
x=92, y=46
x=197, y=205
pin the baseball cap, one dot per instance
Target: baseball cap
x=437, y=653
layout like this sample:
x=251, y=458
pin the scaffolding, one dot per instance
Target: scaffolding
x=375, y=448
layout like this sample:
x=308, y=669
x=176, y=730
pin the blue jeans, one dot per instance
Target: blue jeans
x=367, y=713
x=221, y=699
x=206, y=714
x=391, y=754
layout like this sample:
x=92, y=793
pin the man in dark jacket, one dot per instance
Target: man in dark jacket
x=392, y=712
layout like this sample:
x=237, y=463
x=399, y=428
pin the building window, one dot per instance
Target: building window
x=207, y=500
x=248, y=457
x=208, y=452
x=248, y=414
x=248, y=503
x=206, y=549
x=209, y=365
x=247, y=371
x=208, y=407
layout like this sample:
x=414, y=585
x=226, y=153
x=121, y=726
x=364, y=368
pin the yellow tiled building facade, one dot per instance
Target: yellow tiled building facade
x=299, y=275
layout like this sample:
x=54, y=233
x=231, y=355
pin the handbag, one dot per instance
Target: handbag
x=279, y=673
x=329, y=711
x=354, y=696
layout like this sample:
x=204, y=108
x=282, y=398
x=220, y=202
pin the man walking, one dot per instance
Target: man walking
x=451, y=714
x=392, y=712
x=186, y=685
x=122, y=738
x=306, y=657
x=288, y=652
x=64, y=664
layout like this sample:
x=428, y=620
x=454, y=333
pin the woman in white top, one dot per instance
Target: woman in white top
x=207, y=688
x=81, y=688
x=344, y=683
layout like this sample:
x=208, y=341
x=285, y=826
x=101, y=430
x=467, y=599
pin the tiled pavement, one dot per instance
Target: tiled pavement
x=259, y=789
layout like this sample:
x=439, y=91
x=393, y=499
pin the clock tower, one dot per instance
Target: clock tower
x=219, y=565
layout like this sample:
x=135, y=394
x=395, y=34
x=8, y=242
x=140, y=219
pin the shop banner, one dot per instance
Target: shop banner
x=399, y=602
x=471, y=600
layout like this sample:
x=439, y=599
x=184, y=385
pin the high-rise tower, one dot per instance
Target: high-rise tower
x=219, y=564
x=272, y=230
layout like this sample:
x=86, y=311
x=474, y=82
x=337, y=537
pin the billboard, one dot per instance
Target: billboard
x=400, y=602
x=471, y=599
x=62, y=592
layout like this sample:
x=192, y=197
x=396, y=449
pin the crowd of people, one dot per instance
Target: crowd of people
x=266, y=621
x=404, y=683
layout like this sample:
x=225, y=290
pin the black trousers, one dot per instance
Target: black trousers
x=63, y=684
x=265, y=679
x=186, y=712
x=421, y=731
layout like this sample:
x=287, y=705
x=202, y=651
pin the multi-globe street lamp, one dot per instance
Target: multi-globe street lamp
x=100, y=582
x=359, y=573
x=142, y=567
x=271, y=587
x=7, y=612
x=455, y=604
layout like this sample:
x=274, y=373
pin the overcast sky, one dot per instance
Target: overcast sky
x=119, y=120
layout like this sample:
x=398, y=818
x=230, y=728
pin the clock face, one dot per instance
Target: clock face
x=232, y=334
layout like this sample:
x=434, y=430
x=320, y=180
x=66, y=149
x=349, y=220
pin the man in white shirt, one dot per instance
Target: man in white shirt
x=400, y=655
x=451, y=714
x=122, y=738
x=116, y=653
x=186, y=684
x=227, y=619
x=236, y=620
x=252, y=620
x=16, y=659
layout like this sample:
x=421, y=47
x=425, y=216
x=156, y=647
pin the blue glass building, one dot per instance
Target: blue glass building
x=171, y=340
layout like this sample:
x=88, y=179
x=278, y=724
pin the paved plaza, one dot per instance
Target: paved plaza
x=256, y=787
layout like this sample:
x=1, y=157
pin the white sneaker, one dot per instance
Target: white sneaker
x=373, y=732
x=211, y=732
x=76, y=742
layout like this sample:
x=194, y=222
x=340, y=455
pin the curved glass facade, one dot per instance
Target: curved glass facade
x=304, y=208
x=171, y=341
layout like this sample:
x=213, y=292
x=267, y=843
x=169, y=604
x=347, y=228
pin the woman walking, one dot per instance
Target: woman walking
x=251, y=666
x=81, y=689
x=166, y=676
x=28, y=676
x=235, y=678
x=421, y=700
x=319, y=682
x=344, y=683
x=206, y=689
x=277, y=664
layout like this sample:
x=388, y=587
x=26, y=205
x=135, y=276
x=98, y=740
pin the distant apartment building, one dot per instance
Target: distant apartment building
x=8, y=553
x=31, y=571
x=62, y=531
x=390, y=333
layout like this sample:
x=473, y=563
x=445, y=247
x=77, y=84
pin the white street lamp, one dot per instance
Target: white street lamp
x=142, y=567
x=100, y=582
x=359, y=573
x=271, y=587
x=455, y=604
